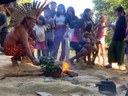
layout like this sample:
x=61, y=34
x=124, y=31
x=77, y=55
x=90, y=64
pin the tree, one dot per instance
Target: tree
x=107, y=8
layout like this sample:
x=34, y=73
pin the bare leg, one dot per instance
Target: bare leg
x=78, y=55
x=85, y=60
x=103, y=57
x=89, y=49
x=77, y=60
x=99, y=61
x=98, y=55
x=14, y=61
x=89, y=58
x=95, y=53
x=103, y=53
x=38, y=53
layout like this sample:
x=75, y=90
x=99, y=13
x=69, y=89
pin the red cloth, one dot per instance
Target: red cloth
x=17, y=50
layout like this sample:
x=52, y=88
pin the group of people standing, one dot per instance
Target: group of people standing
x=50, y=30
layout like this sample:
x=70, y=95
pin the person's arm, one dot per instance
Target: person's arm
x=67, y=25
x=25, y=43
x=112, y=26
x=5, y=24
x=34, y=30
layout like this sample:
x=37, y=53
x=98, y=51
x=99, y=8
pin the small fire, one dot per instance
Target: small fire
x=65, y=67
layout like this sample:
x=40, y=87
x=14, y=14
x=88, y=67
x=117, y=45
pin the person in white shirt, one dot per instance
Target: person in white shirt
x=40, y=37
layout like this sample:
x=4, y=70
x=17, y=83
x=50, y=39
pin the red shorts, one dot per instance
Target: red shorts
x=17, y=50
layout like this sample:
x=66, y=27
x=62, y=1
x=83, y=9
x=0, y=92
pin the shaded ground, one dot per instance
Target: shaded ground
x=83, y=85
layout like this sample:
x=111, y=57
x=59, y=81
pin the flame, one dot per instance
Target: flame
x=65, y=67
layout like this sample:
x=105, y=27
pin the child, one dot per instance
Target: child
x=89, y=43
x=49, y=23
x=40, y=45
x=102, y=30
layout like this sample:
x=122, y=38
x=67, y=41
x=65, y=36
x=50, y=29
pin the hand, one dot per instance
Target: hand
x=35, y=62
x=110, y=25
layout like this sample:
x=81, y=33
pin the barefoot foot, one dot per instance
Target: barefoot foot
x=14, y=61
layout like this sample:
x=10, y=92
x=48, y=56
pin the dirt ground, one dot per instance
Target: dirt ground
x=83, y=85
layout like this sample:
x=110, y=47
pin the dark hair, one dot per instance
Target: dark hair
x=119, y=9
x=88, y=28
x=58, y=13
x=42, y=19
x=48, y=10
x=71, y=9
x=86, y=11
x=25, y=20
x=53, y=3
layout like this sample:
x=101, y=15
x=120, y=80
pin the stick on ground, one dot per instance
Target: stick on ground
x=21, y=74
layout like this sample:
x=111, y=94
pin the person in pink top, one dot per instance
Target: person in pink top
x=77, y=46
x=101, y=34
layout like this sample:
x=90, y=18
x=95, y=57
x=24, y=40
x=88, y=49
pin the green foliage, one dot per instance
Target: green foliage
x=46, y=61
x=107, y=7
x=109, y=37
x=47, y=64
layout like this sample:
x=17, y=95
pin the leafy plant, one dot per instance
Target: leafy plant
x=47, y=64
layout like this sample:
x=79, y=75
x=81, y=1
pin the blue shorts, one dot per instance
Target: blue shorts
x=76, y=46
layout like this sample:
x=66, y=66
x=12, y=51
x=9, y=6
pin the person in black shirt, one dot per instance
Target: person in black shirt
x=72, y=22
x=72, y=30
x=72, y=19
x=117, y=46
x=3, y=27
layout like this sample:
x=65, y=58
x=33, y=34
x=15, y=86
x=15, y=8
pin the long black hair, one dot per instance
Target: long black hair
x=86, y=11
x=70, y=9
x=86, y=17
x=61, y=6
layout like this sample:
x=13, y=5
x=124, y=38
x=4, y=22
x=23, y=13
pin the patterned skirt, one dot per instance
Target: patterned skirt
x=17, y=50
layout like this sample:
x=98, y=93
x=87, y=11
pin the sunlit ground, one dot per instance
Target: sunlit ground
x=114, y=65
